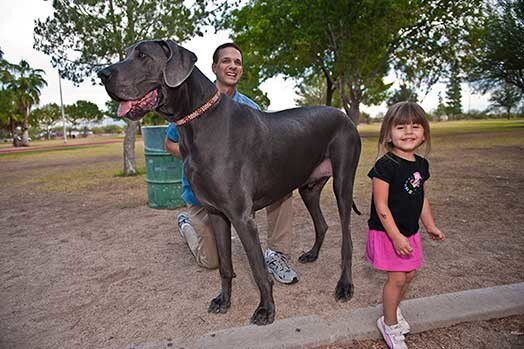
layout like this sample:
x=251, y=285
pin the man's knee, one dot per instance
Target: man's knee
x=207, y=261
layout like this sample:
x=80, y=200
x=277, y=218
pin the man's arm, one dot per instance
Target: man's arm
x=173, y=148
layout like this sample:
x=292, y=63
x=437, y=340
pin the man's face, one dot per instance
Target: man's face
x=228, y=69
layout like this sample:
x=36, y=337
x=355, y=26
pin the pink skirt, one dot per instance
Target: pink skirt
x=381, y=253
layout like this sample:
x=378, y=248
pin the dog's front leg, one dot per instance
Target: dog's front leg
x=222, y=231
x=248, y=234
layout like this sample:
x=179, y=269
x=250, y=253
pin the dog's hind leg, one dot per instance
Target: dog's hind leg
x=344, y=157
x=310, y=194
x=222, y=230
x=247, y=232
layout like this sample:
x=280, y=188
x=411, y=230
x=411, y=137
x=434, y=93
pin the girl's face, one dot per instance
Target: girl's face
x=406, y=138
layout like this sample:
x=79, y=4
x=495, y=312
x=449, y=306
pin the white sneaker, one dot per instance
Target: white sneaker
x=392, y=334
x=182, y=222
x=277, y=265
x=405, y=328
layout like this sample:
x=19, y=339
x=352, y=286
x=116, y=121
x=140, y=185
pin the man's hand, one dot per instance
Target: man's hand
x=173, y=148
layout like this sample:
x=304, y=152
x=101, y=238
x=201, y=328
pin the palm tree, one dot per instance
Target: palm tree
x=26, y=87
x=9, y=117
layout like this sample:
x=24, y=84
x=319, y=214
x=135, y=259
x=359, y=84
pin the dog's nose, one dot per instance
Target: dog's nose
x=104, y=74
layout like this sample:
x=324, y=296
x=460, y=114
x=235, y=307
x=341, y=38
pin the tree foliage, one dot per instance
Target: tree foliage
x=454, y=93
x=250, y=82
x=84, y=35
x=354, y=44
x=500, y=58
x=152, y=119
x=313, y=90
x=8, y=112
x=24, y=85
x=46, y=117
x=506, y=97
x=82, y=111
x=404, y=93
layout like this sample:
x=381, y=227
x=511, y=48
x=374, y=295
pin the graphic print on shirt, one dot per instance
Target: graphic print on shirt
x=413, y=183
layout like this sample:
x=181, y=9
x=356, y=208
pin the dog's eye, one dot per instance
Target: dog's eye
x=141, y=54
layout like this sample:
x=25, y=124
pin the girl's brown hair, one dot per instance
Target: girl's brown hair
x=400, y=114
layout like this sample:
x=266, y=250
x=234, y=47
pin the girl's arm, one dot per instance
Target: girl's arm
x=427, y=220
x=380, y=195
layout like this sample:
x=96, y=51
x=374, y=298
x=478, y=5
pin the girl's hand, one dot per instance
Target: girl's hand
x=435, y=234
x=402, y=246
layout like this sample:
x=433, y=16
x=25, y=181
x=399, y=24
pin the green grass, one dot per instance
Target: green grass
x=74, y=152
x=455, y=127
x=67, y=170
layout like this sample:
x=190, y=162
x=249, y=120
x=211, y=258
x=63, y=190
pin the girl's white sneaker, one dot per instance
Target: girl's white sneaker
x=392, y=334
x=405, y=328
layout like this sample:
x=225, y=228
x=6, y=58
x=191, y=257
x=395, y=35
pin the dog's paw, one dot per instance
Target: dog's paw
x=219, y=305
x=344, y=291
x=263, y=315
x=308, y=257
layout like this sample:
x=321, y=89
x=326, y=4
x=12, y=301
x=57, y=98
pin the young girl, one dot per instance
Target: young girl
x=398, y=202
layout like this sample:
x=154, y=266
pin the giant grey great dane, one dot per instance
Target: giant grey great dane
x=239, y=160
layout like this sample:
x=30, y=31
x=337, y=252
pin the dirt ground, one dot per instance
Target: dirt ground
x=95, y=267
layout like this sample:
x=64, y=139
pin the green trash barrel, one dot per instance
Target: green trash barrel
x=163, y=171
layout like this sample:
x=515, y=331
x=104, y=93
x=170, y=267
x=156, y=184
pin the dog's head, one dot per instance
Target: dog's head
x=138, y=82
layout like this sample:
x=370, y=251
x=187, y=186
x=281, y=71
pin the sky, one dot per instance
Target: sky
x=16, y=40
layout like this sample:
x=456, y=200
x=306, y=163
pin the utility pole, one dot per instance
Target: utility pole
x=62, y=106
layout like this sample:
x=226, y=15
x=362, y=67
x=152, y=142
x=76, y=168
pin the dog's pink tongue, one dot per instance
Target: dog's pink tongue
x=124, y=108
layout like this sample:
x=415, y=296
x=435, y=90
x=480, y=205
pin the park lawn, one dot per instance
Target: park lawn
x=70, y=170
x=57, y=141
x=88, y=167
x=454, y=127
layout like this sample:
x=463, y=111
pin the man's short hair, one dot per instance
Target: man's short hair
x=226, y=45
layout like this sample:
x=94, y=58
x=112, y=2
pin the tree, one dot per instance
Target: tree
x=312, y=90
x=46, y=116
x=354, y=44
x=26, y=85
x=506, y=97
x=405, y=93
x=152, y=119
x=440, y=111
x=500, y=58
x=84, y=35
x=9, y=116
x=82, y=111
x=454, y=93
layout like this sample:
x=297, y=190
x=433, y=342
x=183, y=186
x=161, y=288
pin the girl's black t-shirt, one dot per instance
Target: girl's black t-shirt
x=406, y=191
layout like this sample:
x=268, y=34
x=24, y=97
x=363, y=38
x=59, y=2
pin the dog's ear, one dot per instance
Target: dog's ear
x=179, y=64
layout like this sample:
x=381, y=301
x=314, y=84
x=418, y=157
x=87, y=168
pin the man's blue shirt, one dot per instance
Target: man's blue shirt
x=172, y=134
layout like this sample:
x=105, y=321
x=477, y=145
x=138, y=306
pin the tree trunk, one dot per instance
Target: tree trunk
x=12, y=130
x=25, y=129
x=351, y=104
x=129, y=148
x=329, y=92
x=354, y=112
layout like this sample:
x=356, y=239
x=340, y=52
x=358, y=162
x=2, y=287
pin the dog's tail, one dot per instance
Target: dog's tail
x=355, y=208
